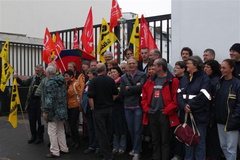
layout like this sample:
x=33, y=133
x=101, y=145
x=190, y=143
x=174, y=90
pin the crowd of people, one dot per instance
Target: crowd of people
x=139, y=100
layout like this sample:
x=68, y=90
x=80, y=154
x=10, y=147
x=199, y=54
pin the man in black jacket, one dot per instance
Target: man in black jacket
x=143, y=64
x=33, y=104
x=101, y=93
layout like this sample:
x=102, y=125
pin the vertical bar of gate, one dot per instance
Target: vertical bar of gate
x=70, y=33
x=167, y=40
x=96, y=42
x=28, y=58
x=129, y=32
x=117, y=33
x=161, y=38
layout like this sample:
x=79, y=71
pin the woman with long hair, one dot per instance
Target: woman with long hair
x=227, y=109
x=212, y=69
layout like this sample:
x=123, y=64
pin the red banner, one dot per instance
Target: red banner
x=87, y=34
x=115, y=14
x=59, y=44
x=146, y=38
x=48, y=47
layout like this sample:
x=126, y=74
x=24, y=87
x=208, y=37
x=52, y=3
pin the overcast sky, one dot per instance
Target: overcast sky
x=146, y=7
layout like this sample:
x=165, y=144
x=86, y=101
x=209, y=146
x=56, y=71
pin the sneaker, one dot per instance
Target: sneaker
x=131, y=153
x=120, y=151
x=136, y=157
x=176, y=158
x=98, y=153
x=114, y=151
x=88, y=151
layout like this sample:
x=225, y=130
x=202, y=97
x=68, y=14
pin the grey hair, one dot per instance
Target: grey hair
x=162, y=62
x=211, y=51
x=123, y=62
x=197, y=61
x=40, y=66
x=108, y=53
x=102, y=68
x=156, y=52
x=132, y=58
x=51, y=70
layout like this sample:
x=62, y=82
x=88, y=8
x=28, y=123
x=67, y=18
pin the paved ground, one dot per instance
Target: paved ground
x=14, y=146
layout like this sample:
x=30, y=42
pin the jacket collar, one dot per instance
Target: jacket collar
x=169, y=77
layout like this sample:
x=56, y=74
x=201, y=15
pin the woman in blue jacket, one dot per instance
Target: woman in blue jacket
x=227, y=107
x=212, y=69
x=194, y=96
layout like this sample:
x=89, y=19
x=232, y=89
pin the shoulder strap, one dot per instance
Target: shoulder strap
x=75, y=90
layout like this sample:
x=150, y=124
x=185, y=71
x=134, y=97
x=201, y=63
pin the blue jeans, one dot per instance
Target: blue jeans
x=119, y=142
x=197, y=152
x=134, y=124
x=228, y=142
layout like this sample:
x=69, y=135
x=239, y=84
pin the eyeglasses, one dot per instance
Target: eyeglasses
x=177, y=68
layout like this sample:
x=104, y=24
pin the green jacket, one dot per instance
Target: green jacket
x=30, y=83
x=55, y=99
x=41, y=90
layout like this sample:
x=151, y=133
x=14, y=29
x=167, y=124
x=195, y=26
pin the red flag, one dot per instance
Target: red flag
x=59, y=44
x=115, y=14
x=146, y=38
x=75, y=39
x=87, y=34
x=48, y=47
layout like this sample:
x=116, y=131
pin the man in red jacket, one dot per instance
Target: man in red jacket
x=159, y=102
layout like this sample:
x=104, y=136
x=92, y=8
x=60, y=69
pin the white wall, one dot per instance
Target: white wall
x=31, y=17
x=201, y=24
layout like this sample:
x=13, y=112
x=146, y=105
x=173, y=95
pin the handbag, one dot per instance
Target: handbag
x=187, y=134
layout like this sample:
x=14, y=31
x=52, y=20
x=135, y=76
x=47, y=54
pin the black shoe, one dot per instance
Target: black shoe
x=50, y=155
x=38, y=141
x=98, y=153
x=77, y=145
x=32, y=140
x=88, y=151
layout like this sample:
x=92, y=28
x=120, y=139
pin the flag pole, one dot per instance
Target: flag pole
x=62, y=63
x=24, y=120
x=120, y=45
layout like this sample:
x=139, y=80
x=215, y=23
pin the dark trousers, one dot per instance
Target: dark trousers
x=73, y=119
x=34, y=115
x=93, y=144
x=177, y=146
x=213, y=147
x=161, y=136
x=103, y=126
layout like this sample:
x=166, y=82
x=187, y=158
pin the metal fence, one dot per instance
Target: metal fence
x=159, y=25
x=23, y=57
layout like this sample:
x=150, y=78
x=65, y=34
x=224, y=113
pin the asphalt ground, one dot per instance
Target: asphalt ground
x=14, y=146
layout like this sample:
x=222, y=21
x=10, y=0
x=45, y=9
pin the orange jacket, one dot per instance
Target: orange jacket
x=72, y=96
